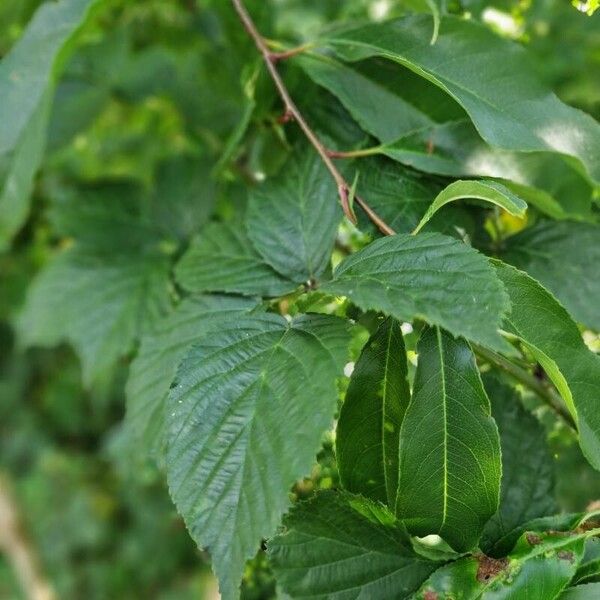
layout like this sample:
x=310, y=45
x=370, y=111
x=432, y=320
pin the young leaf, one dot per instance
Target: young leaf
x=161, y=350
x=532, y=119
x=450, y=465
x=222, y=259
x=368, y=428
x=339, y=546
x=552, y=254
x=550, y=334
x=490, y=191
x=527, y=487
x=100, y=303
x=292, y=220
x=431, y=277
x=539, y=568
x=247, y=412
x=26, y=88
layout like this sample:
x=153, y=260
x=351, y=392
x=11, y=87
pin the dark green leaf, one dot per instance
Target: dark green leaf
x=589, y=570
x=247, y=411
x=550, y=334
x=161, y=350
x=292, y=220
x=341, y=547
x=430, y=277
x=527, y=487
x=368, y=428
x=553, y=254
x=450, y=465
x=222, y=259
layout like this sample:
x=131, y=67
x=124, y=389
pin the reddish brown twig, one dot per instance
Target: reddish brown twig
x=271, y=59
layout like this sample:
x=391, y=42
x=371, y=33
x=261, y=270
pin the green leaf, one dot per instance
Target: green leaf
x=527, y=487
x=550, y=334
x=247, y=411
x=450, y=465
x=430, y=277
x=26, y=88
x=161, y=350
x=588, y=591
x=368, y=428
x=530, y=119
x=222, y=259
x=292, y=220
x=421, y=126
x=589, y=569
x=338, y=547
x=490, y=191
x=98, y=302
x=400, y=196
x=552, y=253
x=539, y=568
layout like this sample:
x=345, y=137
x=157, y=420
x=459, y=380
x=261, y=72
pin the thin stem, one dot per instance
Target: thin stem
x=270, y=59
x=354, y=153
x=546, y=393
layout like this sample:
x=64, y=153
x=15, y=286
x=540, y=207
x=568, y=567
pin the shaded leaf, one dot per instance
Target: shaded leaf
x=292, y=220
x=527, y=487
x=430, y=277
x=581, y=592
x=338, y=546
x=550, y=334
x=368, y=428
x=450, y=466
x=552, y=253
x=222, y=259
x=247, y=411
x=97, y=302
x=533, y=120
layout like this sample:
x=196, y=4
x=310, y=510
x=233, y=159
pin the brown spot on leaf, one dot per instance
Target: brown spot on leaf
x=430, y=595
x=566, y=555
x=489, y=567
x=533, y=539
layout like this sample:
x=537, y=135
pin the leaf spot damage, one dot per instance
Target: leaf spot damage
x=490, y=567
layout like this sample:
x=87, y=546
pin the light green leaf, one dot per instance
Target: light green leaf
x=587, y=591
x=589, y=569
x=539, y=568
x=531, y=119
x=527, y=487
x=27, y=77
x=490, y=191
x=368, y=428
x=550, y=334
x=292, y=220
x=161, y=350
x=222, y=259
x=99, y=303
x=247, y=412
x=552, y=253
x=430, y=277
x=341, y=547
x=450, y=465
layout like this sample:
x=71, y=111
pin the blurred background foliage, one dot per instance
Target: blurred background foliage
x=144, y=110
